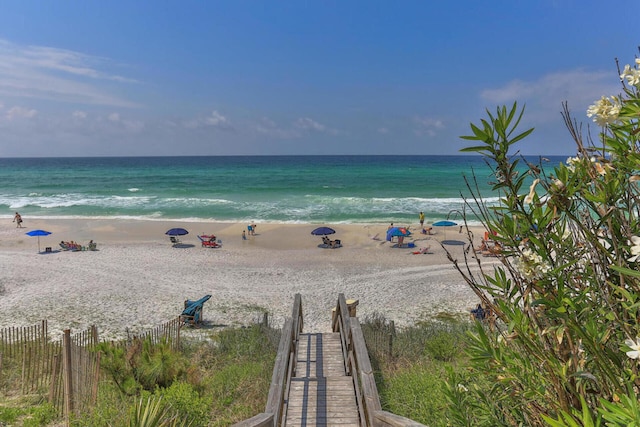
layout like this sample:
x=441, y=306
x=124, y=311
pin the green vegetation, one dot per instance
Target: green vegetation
x=214, y=382
x=413, y=364
x=27, y=411
x=567, y=290
x=226, y=378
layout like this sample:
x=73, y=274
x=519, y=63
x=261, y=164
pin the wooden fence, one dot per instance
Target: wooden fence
x=167, y=332
x=76, y=373
x=29, y=352
x=67, y=371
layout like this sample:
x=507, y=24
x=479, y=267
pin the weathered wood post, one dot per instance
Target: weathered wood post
x=392, y=332
x=67, y=373
x=351, y=305
x=55, y=376
x=96, y=380
x=94, y=336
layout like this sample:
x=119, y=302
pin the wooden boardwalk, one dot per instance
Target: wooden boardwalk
x=324, y=379
x=321, y=393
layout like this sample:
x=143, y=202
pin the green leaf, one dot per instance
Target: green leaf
x=625, y=271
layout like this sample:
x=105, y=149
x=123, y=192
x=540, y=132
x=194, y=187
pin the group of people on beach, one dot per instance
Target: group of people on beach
x=73, y=246
x=251, y=229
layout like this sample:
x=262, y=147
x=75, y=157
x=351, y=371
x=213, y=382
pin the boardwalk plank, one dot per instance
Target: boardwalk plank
x=320, y=394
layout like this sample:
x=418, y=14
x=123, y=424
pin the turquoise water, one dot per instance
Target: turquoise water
x=285, y=189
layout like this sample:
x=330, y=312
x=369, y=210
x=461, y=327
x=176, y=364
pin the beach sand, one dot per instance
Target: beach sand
x=137, y=280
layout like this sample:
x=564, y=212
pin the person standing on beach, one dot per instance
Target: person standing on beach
x=244, y=235
x=421, y=219
x=18, y=220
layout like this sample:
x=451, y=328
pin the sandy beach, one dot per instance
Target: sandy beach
x=137, y=280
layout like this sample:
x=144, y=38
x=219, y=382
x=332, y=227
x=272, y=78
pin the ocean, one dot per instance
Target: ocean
x=275, y=189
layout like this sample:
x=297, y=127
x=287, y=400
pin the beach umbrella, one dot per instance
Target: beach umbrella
x=176, y=232
x=397, y=232
x=38, y=233
x=446, y=223
x=323, y=231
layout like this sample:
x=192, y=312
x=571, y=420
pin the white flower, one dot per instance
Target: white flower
x=605, y=110
x=635, y=249
x=531, y=265
x=635, y=348
x=532, y=191
x=631, y=75
x=558, y=185
x=572, y=162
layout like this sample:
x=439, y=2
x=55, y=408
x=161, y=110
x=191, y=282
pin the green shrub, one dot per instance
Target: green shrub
x=40, y=415
x=153, y=412
x=567, y=288
x=158, y=365
x=186, y=401
x=9, y=415
x=443, y=346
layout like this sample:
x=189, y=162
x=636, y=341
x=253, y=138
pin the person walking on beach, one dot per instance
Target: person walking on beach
x=421, y=219
x=244, y=235
x=18, y=220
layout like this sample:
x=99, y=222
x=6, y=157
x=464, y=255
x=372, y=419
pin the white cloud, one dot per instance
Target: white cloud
x=121, y=123
x=543, y=97
x=61, y=75
x=427, y=126
x=215, y=119
x=20, y=113
x=268, y=127
x=383, y=131
x=306, y=123
x=79, y=115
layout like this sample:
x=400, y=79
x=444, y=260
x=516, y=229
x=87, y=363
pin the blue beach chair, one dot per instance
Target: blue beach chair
x=192, y=313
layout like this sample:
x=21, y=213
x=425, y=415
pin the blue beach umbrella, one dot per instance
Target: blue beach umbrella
x=397, y=232
x=323, y=231
x=446, y=223
x=177, y=232
x=38, y=233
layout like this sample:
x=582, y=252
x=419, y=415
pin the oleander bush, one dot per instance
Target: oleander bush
x=567, y=289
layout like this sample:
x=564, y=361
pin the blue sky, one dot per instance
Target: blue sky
x=130, y=78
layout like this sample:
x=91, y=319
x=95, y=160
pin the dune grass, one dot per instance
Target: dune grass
x=413, y=364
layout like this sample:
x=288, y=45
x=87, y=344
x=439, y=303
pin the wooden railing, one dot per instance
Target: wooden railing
x=282, y=372
x=358, y=365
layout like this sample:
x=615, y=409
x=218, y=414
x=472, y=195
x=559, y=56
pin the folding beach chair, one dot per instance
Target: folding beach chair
x=192, y=313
